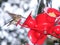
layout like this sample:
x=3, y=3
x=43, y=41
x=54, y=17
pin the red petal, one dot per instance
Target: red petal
x=34, y=36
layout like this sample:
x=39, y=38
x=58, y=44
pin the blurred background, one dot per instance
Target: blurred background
x=13, y=10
